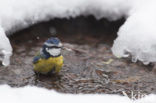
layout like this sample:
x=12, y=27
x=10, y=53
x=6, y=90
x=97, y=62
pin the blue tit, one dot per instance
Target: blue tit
x=49, y=58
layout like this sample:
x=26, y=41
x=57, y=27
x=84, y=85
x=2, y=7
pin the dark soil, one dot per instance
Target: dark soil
x=89, y=65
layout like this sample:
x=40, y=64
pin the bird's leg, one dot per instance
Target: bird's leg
x=37, y=74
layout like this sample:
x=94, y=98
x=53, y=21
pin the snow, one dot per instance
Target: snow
x=31, y=94
x=137, y=37
x=5, y=48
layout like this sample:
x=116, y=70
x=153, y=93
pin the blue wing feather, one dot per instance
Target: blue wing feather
x=39, y=56
x=36, y=58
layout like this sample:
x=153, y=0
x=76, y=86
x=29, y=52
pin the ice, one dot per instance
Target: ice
x=31, y=94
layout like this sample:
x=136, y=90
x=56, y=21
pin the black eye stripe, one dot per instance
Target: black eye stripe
x=53, y=47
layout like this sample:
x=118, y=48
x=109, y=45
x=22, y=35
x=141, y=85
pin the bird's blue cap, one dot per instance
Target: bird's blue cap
x=53, y=41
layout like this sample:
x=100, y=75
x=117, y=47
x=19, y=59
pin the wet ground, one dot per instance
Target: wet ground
x=89, y=66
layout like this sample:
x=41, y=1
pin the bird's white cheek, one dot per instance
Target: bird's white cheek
x=54, y=52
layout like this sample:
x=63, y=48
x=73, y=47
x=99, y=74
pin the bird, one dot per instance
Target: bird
x=49, y=59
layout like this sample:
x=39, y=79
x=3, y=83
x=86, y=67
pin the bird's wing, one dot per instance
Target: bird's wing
x=37, y=58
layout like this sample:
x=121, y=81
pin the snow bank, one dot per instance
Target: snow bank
x=5, y=48
x=30, y=94
x=18, y=14
x=22, y=13
x=137, y=37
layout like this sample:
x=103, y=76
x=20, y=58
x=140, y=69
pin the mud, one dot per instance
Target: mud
x=89, y=65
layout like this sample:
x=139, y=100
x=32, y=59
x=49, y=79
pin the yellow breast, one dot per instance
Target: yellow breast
x=44, y=66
